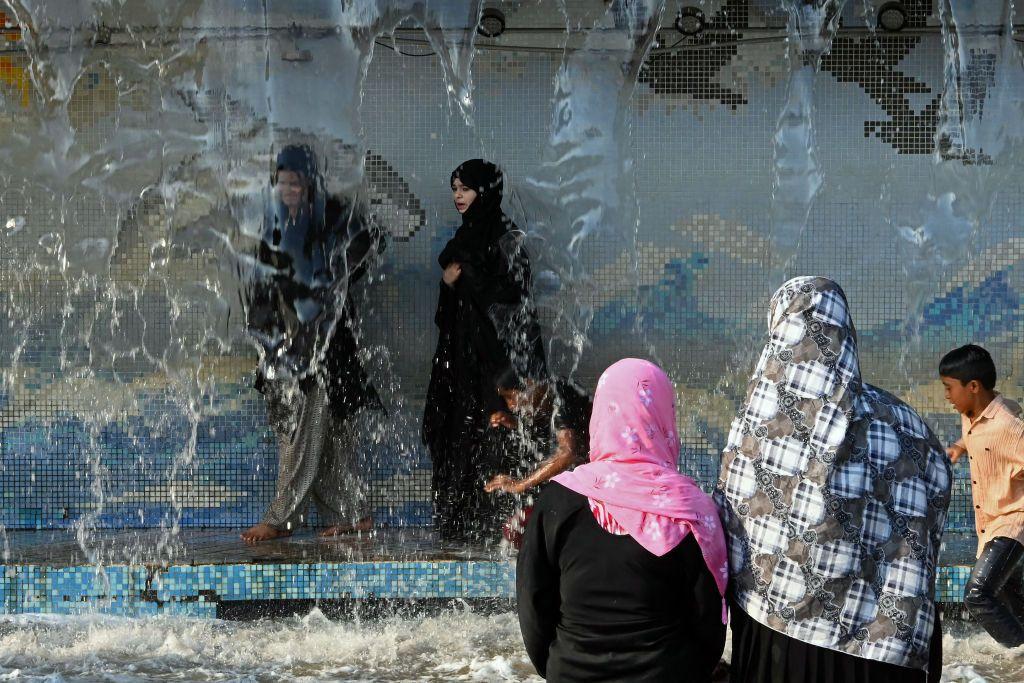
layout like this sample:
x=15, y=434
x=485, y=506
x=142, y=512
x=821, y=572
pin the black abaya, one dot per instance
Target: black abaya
x=300, y=305
x=485, y=323
x=595, y=607
x=765, y=655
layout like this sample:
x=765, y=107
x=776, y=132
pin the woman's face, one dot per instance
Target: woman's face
x=291, y=188
x=462, y=195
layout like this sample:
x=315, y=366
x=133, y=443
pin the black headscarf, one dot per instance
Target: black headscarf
x=483, y=223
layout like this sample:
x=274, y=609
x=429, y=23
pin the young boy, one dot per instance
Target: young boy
x=993, y=439
x=544, y=408
x=538, y=410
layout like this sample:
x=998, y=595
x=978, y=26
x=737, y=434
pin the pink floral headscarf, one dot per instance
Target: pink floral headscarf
x=632, y=476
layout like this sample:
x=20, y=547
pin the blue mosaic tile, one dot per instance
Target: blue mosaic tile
x=195, y=590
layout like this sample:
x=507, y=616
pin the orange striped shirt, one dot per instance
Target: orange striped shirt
x=995, y=447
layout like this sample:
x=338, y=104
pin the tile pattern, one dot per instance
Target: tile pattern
x=125, y=381
x=196, y=590
x=214, y=570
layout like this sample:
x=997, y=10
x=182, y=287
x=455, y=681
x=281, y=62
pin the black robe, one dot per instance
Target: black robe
x=486, y=322
x=763, y=654
x=594, y=606
x=301, y=308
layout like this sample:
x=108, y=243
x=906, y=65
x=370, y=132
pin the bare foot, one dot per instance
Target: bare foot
x=365, y=524
x=263, y=532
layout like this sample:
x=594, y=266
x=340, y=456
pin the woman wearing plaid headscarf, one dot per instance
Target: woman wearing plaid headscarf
x=834, y=497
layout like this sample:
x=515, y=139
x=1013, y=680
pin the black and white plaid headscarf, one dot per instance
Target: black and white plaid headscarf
x=833, y=492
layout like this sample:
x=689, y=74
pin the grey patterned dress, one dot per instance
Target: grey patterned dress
x=833, y=492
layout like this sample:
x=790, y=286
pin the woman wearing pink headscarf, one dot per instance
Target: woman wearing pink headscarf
x=623, y=570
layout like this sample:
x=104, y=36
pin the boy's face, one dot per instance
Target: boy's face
x=961, y=396
x=513, y=399
x=521, y=401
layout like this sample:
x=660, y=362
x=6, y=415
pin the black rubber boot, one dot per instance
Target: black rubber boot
x=993, y=594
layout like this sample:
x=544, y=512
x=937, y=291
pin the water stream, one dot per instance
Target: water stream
x=139, y=139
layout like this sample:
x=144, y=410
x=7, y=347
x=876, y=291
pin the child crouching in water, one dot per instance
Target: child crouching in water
x=993, y=440
x=542, y=409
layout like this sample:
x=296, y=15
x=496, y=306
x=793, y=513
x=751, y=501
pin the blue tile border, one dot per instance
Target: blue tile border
x=196, y=590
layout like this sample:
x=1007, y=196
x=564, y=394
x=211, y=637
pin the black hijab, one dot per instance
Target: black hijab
x=483, y=223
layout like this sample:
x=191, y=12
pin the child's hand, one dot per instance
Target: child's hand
x=954, y=452
x=452, y=273
x=499, y=418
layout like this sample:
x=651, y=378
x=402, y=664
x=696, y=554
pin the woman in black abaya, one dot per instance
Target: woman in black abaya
x=301, y=311
x=486, y=322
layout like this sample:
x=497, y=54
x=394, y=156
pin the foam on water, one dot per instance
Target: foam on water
x=971, y=656
x=453, y=646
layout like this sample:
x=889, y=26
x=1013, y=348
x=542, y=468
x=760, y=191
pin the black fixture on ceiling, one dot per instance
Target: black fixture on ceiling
x=689, y=21
x=892, y=16
x=492, y=23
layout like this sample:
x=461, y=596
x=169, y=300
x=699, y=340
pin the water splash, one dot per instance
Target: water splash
x=582, y=198
x=52, y=37
x=460, y=645
x=451, y=29
x=978, y=146
x=797, y=175
x=181, y=159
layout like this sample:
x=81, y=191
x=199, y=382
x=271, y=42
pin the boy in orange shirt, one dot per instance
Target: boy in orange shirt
x=993, y=440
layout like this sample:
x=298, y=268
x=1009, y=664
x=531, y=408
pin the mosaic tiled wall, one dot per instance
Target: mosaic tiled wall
x=127, y=381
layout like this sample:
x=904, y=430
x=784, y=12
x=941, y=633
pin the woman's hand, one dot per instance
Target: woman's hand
x=499, y=418
x=452, y=273
x=503, y=483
